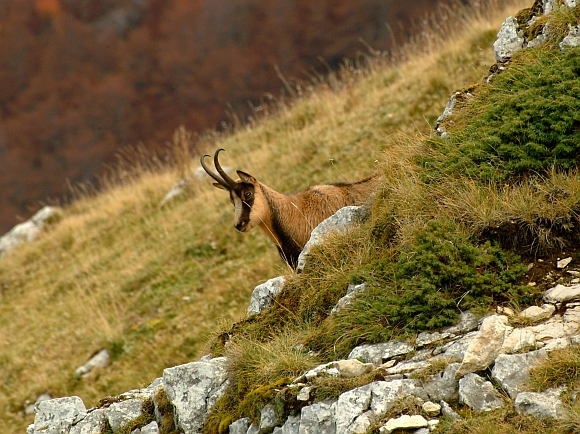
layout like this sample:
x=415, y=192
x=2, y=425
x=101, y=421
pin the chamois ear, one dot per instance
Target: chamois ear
x=246, y=178
x=221, y=187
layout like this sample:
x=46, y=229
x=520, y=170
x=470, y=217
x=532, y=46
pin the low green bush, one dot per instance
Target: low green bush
x=526, y=121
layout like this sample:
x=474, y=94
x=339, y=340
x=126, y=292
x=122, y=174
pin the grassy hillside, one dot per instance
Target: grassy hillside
x=156, y=285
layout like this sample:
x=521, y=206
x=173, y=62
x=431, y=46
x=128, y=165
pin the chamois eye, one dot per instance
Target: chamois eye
x=248, y=195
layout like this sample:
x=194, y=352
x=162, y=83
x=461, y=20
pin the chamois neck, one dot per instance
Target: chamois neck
x=280, y=222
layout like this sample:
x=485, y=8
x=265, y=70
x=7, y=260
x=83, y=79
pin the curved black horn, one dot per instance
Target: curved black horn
x=213, y=175
x=231, y=183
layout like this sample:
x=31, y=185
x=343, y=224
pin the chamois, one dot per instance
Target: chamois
x=288, y=219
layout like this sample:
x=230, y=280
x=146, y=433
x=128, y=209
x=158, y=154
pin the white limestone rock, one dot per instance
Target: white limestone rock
x=486, y=345
x=326, y=368
x=353, y=368
x=304, y=394
x=560, y=294
x=98, y=361
x=554, y=328
x=92, y=423
x=193, y=389
x=447, y=411
x=572, y=39
x=431, y=409
x=264, y=294
x=537, y=313
x=467, y=323
x=350, y=406
x=319, y=418
x=57, y=415
x=346, y=301
x=541, y=405
x=519, y=339
x=150, y=428
x=32, y=408
x=268, y=419
x=511, y=371
x=457, y=348
x=478, y=394
x=443, y=386
x=425, y=338
x=339, y=222
x=402, y=368
x=178, y=189
x=291, y=426
x=379, y=353
x=123, y=412
x=508, y=40
x=404, y=422
x=27, y=231
x=240, y=426
x=358, y=408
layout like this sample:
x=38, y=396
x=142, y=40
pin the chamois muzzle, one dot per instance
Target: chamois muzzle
x=225, y=181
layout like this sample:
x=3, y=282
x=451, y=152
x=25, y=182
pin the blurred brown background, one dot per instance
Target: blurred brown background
x=81, y=78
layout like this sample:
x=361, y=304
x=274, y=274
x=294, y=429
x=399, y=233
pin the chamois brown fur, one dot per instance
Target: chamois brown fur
x=288, y=219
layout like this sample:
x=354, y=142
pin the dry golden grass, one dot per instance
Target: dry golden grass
x=151, y=284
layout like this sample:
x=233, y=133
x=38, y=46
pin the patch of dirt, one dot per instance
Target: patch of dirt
x=544, y=272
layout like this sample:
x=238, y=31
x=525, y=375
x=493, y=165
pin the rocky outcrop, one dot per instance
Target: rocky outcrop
x=341, y=221
x=29, y=230
x=515, y=34
x=264, y=294
x=193, y=388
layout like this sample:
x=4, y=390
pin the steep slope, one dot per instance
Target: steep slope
x=151, y=284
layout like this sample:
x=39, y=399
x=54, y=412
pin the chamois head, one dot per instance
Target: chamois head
x=243, y=192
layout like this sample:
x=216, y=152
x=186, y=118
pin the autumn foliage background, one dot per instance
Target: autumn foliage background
x=80, y=79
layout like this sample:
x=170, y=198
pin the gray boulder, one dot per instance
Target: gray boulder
x=358, y=408
x=346, y=301
x=572, y=39
x=240, y=426
x=291, y=426
x=511, y=371
x=121, y=413
x=268, y=419
x=457, y=348
x=467, y=323
x=57, y=415
x=99, y=360
x=425, y=338
x=339, y=222
x=560, y=294
x=27, y=231
x=447, y=411
x=478, y=394
x=379, y=353
x=193, y=389
x=264, y=294
x=93, y=422
x=404, y=422
x=486, y=345
x=150, y=428
x=443, y=386
x=508, y=40
x=318, y=418
x=541, y=405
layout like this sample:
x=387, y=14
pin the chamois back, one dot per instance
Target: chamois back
x=288, y=219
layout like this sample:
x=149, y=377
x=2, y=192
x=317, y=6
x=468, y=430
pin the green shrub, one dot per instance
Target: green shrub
x=526, y=121
x=440, y=274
